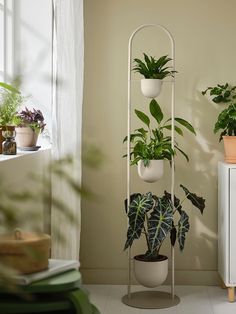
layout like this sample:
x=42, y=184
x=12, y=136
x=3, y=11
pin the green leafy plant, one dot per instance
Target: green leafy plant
x=10, y=101
x=226, y=121
x=154, y=144
x=151, y=68
x=153, y=217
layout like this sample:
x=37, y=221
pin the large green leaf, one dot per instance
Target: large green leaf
x=196, y=200
x=155, y=110
x=9, y=87
x=159, y=223
x=183, y=228
x=177, y=129
x=186, y=124
x=143, y=117
x=139, y=206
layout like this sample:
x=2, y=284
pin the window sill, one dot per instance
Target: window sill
x=21, y=154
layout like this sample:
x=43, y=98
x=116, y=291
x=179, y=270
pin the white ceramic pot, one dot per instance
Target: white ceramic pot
x=153, y=172
x=150, y=274
x=26, y=137
x=151, y=88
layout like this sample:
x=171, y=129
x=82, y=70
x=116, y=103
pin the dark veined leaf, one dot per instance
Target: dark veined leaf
x=197, y=201
x=143, y=117
x=186, y=124
x=159, y=223
x=183, y=228
x=155, y=110
x=173, y=235
x=177, y=203
x=138, y=207
x=132, y=197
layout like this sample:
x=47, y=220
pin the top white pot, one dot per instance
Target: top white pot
x=151, y=88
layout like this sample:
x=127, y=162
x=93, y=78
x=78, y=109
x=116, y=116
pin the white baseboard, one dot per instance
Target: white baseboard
x=119, y=277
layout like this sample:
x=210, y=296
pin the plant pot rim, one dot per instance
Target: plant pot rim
x=229, y=136
x=152, y=79
x=7, y=127
x=160, y=258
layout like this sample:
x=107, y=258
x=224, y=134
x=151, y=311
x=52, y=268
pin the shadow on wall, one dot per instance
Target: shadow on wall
x=205, y=155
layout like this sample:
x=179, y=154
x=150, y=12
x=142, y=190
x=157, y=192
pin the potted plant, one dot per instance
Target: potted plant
x=154, y=71
x=154, y=217
x=10, y=101
x=226, y=121
x=152, y=146
x=30, y=124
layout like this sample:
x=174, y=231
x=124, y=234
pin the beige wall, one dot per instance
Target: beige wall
x=204, y=32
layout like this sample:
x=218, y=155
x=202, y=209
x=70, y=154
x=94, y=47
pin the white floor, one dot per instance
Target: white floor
x=194, y=300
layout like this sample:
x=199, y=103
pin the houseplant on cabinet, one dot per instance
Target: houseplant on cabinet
x=226, y=121
x=151, y=147
x=153, y=217
x=154, y=71
x=30, y=124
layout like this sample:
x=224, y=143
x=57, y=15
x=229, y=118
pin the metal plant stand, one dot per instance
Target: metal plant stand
x=151, y=299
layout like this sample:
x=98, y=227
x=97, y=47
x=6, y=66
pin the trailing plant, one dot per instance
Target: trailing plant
x=10, y=101
x=31, y=118
x=226, y=121
x=153, y=144
x=151, y=68
x=153, y=216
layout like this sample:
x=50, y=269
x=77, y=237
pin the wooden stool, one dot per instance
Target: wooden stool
x=60, y=294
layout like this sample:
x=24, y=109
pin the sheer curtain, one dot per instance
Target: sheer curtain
x=67, y=114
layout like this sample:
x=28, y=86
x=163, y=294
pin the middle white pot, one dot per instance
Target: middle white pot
x=153, y=172
x=150, y=274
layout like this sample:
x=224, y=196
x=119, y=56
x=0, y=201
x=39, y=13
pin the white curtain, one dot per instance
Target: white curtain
x=67, y=114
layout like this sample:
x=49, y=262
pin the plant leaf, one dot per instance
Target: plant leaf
x=183, y=228
x=197, y=201
x=139, y=206
x=159, y=223
x=143, y=117
x=155, y=110
x=173, y=235
x=186, y=124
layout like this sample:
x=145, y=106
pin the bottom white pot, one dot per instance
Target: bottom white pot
x=151, y=173
x=151, y=274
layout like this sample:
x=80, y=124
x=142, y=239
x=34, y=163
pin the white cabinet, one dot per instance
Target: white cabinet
x=227, y=225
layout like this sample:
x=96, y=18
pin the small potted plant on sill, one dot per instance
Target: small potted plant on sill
x=226, y=121
x=154, y=217
x=10, y=100
x=151, y=147
x=29, y=125
x=154, y=71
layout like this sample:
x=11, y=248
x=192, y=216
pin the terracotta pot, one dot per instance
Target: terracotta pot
x=26, y=137
x=151, y=173
x=150, y=274
x=25, y=252
x=230, y=149
x=151, y=88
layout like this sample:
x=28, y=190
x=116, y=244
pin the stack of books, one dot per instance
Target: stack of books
x=56, y=266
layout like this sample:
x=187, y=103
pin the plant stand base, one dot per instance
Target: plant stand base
x=150, y=300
